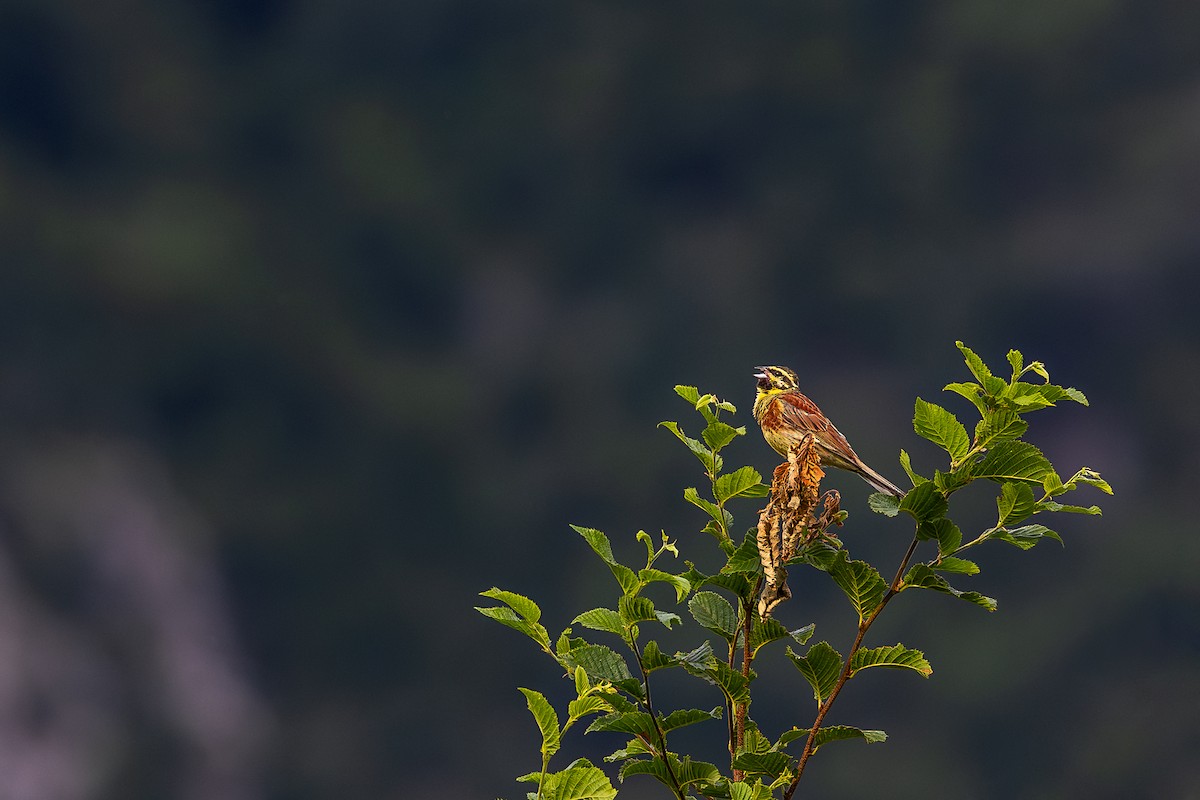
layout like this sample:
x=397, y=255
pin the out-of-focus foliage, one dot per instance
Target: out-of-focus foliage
x=381, y=288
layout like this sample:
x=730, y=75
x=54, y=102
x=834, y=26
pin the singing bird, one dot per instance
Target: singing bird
x=785, y=416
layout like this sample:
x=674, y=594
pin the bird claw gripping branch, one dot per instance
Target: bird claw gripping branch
x=788, y=523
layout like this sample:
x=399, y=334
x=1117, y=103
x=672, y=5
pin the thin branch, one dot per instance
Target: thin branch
x=863, y=627
x=722, y=526
x=895, y=584
x=977, y=540
x=747, y=658
x=662, y=738
x=729, y=708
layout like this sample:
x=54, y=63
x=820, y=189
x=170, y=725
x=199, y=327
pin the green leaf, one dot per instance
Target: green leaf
x=820, y=554
x=626, y=579
x=947, y=534
x=699, y=659
x=601, y=619
x=685, y=717
x=635, y=747
x=897, y=656
x=599, y=662
x=991, y=384
x=598, y=542
x=802, y=635
x=635, y=609
x=745, y=558
x=860, y=581
x=906, y=463
x=838, y=732
x=718, y=434
x=1056, y=393
x=521, y=604
x=1026, y=536
x=653, y=658
x=686, y=771
x=735, y=582
x=648, y=541
x=1026, y=397
x=714, y=612
x=581, y=781
x=1016, y=361
x=693, y=496
x=1092, y=478
x=789, y=736
x=971, y=391
x=547, y=720
x=1015, y=502
x=999, y=424
x=754, y=741
x=689, y=393
x=959, y=566
x=1050, y=506
x=884, y=504
x=711, y=461
x=580, y=707
x=737, y=484
x=618, y=702
x=653, y=767
x=942, y=428
x=750, y=790
x=921, y=576
x=668, y=618
x=762, y=763
x=759, y=490
x=689, y=772
x=722, y=517
x=765, y=631
x=1013, y=461
x=821, y=667
x=733, y=684
x=924, y=502
x=506, y=616
x=566, y=643
x=680, y=583
x=637, y=723
x=950, y=482
x=1076, y=395
x=1052, y=484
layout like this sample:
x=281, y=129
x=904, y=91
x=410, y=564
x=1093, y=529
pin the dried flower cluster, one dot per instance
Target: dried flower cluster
x=787, y=523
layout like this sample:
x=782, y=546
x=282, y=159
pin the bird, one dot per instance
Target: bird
x=785, y=416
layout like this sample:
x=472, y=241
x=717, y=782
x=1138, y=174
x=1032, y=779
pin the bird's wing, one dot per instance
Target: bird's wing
x=799, y=411
x=803, y=416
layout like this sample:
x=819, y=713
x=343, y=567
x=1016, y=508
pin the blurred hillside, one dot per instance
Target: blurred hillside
x=319, y=318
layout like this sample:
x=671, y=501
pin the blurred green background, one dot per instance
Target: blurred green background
x=319, y=318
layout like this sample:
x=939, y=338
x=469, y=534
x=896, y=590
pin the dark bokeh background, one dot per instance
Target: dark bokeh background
x=318, y=318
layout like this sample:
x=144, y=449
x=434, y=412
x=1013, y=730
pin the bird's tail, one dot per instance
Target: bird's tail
x=878, y=482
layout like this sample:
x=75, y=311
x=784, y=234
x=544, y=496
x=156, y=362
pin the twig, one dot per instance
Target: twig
x=747, y=658
x=662, y=738
x=863, y=627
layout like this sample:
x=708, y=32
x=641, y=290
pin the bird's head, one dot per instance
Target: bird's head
x=776, y=379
